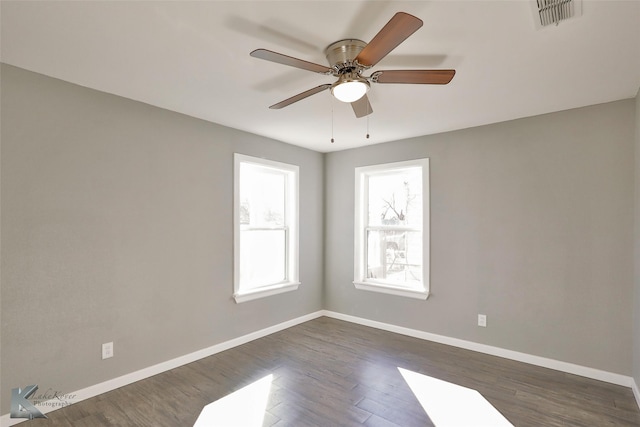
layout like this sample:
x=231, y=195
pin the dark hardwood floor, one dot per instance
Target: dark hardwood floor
x=328, y=372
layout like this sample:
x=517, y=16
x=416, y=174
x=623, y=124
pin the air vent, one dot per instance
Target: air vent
x=551, y=12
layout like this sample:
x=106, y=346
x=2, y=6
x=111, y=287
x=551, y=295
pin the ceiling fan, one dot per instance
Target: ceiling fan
x=348, y=59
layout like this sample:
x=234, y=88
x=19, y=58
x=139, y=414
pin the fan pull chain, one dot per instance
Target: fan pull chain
x=367, y=127
x=368, y=113
x=332, y=121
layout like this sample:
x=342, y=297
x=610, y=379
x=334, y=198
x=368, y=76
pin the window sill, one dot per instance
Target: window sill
x=265, y=291
x=422, y=294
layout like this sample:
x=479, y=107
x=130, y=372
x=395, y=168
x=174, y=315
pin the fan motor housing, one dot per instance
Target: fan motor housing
x=341, y=54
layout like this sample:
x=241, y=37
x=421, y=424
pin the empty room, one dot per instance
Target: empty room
x=320, y=213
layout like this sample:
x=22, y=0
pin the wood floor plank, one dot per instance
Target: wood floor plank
x=396, y=415
x=376, y=421
x=328, y=372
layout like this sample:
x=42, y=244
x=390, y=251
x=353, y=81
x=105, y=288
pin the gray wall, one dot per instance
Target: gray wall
x=531, y=224
x=636, y=307
x=117, y=226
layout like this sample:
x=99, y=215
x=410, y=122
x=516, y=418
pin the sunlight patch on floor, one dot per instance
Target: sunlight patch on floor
x=242, y=408
x=451, y=405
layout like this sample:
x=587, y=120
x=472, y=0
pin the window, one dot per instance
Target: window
x=265, y=227
x=392, y=228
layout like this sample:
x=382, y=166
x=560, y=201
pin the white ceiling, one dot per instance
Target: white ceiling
x=193, y=58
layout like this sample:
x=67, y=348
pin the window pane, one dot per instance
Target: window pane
x=262, y=196
x=395, y=198
x=262, y=258
x=394, y=257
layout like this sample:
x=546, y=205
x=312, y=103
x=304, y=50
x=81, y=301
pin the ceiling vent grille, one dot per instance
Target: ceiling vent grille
x=554, y=11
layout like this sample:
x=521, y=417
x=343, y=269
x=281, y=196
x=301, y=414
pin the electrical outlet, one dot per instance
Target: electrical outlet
x=482, y=320
x=107, y=350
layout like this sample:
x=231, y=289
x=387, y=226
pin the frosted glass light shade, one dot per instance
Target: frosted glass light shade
x=350, y=91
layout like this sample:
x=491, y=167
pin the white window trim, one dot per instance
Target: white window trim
x=265, y=291
x=361, y=195
x=292, y=260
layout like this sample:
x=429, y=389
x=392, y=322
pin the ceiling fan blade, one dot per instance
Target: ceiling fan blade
x=269, y=55
x=401, y=26
x=431, y=77
x=300, y=96
x=362, y=107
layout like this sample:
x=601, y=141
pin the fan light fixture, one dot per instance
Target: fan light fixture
x=349, y=88
x=349, y=58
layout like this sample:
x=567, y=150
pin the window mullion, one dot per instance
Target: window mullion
x=391, y=228
x=263, y=228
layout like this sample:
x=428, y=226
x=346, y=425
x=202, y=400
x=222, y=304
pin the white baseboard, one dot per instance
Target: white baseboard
x=123, y=380
x=544, y=362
